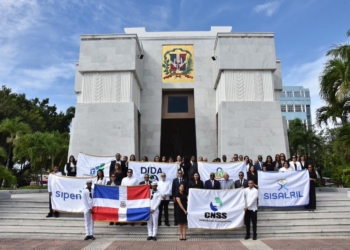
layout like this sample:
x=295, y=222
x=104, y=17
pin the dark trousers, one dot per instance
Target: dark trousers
x=251, y=215
x=176, y=207
x=163, y=204
x=50, y=207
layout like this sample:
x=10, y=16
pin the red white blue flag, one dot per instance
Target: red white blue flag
x=121, y=204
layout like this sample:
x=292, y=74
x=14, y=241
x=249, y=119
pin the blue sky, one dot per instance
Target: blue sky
x=39, y=39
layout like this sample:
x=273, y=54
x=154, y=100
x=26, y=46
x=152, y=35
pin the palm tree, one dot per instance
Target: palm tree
x=340, y=109
x=15, y=128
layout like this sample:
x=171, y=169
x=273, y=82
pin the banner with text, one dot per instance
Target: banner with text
x=283, y=189
x=67, y=193
x=88, y=165
x=154, y=169
x=215, y=209
x=232, y=168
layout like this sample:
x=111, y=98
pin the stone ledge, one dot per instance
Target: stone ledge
x=23, y=191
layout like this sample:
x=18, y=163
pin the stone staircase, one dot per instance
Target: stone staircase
x=24, y=214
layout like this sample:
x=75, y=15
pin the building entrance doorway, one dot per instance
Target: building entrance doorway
x=178, y=131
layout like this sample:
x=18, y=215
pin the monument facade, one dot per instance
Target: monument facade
x=168, y=93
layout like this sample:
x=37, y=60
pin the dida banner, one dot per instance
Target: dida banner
x=154, y=169
x=283, y=189
x=215, y=209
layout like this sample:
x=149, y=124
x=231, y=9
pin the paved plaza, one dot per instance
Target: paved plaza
x=28, y=243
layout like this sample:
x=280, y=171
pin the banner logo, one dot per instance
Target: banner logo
x=282, y=183
x=219, y=174
x=217, y=201
x=122, y=204
x=93, y=171
x=153, y=177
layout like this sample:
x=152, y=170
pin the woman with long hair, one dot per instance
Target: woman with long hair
x=132, y=157
x=268, y=166
x=303, y=162
x=247, y=162
x=253, y=176
x=156, y=158
x=196, y=182
x=100, y=178
x=71, y=166
x=277, y=162
x=164, y=159
x=312, y=192
x=282, y=158
x=181, y=199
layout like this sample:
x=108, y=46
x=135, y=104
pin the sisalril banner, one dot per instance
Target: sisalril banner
x=215, y=209
x=67, y=193
x=231, y=168
x=154, y=169
x=284, y=189
x=88, y=165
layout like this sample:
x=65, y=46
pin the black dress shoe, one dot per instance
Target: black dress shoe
x=111, y=223
x=254, y=237
x=167, y=225
x=92, y=237
x=159, y=224
x=143, y=224
x=56, y=215
x=247, y=237
x=175, y=224
x=149, y=238
x=49, y=215
x=87, y=237
x=154, y=238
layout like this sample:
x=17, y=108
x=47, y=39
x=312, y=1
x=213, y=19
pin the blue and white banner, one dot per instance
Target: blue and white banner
x=154, y=169
x=88, y=165
x=215, y=209
x=231, y=168
x=283, y=189
x=67, y=193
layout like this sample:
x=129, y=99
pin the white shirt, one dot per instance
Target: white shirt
x=157, y=197
x=291, y=165
x=251, y=198
x=283, y=169
x=164, y=188
x=100, y=182
x=87, y=201
x=49, y=188
x=73, y=167
x=129, y=181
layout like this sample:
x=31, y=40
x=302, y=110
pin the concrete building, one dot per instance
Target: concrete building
x=296, y=103
x=167, y=93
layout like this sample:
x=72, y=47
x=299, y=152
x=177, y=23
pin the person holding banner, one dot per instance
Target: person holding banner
x=312, y=193
x=241, y=182
x=196, y=182
x=132, y=157
x=285, y=167
x=268, y=164
x=164, y=187
x=152, y=223
x=87, y=201
x=49, y=189
x=251, y=209
x=181, y=199
x=100, y=178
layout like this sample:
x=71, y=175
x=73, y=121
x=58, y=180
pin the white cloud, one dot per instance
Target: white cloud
x=307, y=75
x=268, y=8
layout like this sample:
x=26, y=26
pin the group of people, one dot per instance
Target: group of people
x=188, y=177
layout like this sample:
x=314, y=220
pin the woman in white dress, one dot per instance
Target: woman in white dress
x=100, y=178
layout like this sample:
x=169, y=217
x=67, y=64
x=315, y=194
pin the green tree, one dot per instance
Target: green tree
x=15, y=128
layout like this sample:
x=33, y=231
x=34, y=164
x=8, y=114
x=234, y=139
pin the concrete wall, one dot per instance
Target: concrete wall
x=250, y=128
x=104, y=129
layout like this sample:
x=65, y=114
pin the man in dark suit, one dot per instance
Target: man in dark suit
x=259, y=164
x=241, y=182
x=212, y=183
x=175, y=189
x=146, y=181
x=122, y=165
x=193, y=168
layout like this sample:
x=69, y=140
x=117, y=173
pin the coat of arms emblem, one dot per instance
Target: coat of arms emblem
x=177, y=64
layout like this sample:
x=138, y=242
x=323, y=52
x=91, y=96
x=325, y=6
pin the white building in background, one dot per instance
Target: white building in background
x=167, y=93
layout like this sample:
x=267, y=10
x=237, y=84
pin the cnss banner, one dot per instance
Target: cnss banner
x=283, y=189
x=88, y=165
x=215, y=209
x=232, y=168
x=67, y=193
x=154, y=169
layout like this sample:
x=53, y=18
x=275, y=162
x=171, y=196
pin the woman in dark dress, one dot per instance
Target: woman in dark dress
x=118, y=174
x=181, y=199
x=185, y=167
x=196, y=182
x=303, y=162
x=268, y=166
x=253, y=176
x=312, y=194
x=71, y=166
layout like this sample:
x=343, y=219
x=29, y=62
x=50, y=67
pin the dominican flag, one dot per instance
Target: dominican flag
x=118, y=203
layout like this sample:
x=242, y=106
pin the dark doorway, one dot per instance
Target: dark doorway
x=178, y=137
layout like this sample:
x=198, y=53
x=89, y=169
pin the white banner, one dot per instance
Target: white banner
x=283, y=189
x=154, y=169
x=67, y=193
x=89, y=165
x=215, y=209
x=232, y=168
